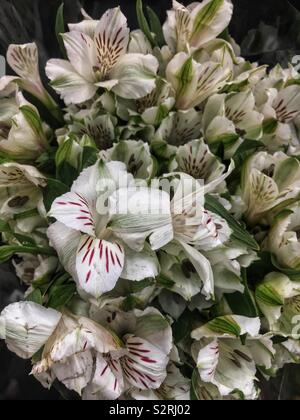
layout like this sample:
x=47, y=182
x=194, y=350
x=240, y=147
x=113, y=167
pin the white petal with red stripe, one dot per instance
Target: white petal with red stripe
x=73, y=210
x=108, y=380
x=99, y=264
x=145, y=365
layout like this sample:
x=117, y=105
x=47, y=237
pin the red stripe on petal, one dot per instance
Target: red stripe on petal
x=88, y=276
x=92, y=256
x=120, y=248
x=119, y=262
x=107, y=260
x=104, y=370
x=81, y=248
x=115, y=384
x=73, y=203
x=62, y=203
x=112, y=258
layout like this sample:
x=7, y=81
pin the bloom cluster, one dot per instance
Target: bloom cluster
x=154, y=212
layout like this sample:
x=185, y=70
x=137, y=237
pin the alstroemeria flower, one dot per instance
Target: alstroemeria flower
x=136, y=156
x=20, y=192
x=194, y=82
x=24, y=60
x=224, y=361
x=100, y=59
x=69, y=353
x=82, y=237
x=142, y=361
x=228, y=117
x=280, y=110
x=179, y=128
x=283, y=238
x=152, y=108
x=19, y=139
x=192, y=26
x=269, y=181
x=182, y=220
x=195, y=159
x=95, y=122
x=278, y=298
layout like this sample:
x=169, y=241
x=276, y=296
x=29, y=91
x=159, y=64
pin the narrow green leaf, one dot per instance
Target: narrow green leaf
x=239, y=234
x=60, y=28
x=243, y=303
x=155, y=26
x=143, y=23
x=8, y=251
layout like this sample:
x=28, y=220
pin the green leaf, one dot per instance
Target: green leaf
x=155, y=26
x=89, y=156
x=61, y=295
x=270, y=125
x=60, y=28
x=8, y=251
x=239, y=233
x=247, y=148
x=243, y=303
x=36, y=297
x=53, y=190
x=143, y=23
x=4, y=226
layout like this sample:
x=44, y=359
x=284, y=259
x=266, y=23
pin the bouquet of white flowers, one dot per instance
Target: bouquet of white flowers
x=154, y=213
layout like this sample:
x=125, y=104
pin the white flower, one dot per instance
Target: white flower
x=194, y=82
x=86, y=246
x=98, y=58
x=224, y=361
x=22, y=133
x=192, y=26
x=23, y=59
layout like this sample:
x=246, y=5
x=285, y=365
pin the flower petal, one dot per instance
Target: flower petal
x=136, y=74
x=99, y=265
x=27, y=327
x=111, y=40
x=72, y=87
x=81, y=53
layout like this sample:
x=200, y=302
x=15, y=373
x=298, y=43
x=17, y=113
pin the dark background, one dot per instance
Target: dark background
x=268, y=31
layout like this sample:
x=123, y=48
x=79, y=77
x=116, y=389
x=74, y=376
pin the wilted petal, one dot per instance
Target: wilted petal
x=27, y=327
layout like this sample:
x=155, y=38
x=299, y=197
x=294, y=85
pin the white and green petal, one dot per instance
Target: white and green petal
x=72, y=87
x=136, y=156
x=180, y=127
x=194, y=82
